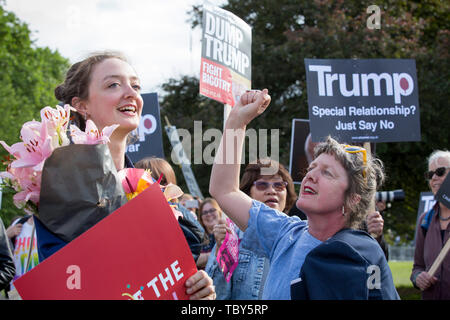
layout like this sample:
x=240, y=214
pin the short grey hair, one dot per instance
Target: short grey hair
x=437, y=154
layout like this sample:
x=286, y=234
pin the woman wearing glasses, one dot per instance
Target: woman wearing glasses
x=209, y=215
x=276, y=191
x=333, y=260
x=433, y=231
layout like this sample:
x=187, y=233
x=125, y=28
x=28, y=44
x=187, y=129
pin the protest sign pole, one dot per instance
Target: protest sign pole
x=182, y=160
x=437, y=263
x=226, y=113
x=442, y=197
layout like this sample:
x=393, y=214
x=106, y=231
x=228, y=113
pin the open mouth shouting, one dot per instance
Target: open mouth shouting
x=307, y=190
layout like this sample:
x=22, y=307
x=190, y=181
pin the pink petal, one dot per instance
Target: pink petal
x=90, y=126
x=7, y=148
x=130, y=178
x=19, y=198
x=107, y=131
x=78, y=136
x=31, y=131
x=17, y=149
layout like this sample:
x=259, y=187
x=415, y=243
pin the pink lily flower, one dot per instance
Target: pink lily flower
x=136, y=180
x=26, y=182
x=57, y=121
x=31, y=193
x=91, y=135
x=39, y=139
x=35, y=148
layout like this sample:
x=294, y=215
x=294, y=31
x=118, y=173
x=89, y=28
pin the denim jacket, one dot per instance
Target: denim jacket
x=247, y=281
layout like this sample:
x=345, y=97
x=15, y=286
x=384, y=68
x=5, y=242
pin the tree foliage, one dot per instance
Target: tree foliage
x=28, y=77
x=284, y=32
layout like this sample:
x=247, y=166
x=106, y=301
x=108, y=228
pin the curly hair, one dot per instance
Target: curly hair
x=364, y=180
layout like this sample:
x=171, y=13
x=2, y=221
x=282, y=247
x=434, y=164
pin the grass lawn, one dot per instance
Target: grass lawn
x=401, y=271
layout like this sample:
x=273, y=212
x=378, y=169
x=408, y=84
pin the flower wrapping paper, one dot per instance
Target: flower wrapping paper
x=80, y=186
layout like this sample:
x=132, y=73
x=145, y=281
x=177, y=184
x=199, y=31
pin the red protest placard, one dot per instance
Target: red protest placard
x=216, y=82
x=137, y=252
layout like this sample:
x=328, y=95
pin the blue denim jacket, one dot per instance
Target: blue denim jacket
x=247, y=281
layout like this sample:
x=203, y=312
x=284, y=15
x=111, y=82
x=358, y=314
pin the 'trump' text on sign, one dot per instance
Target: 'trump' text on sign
x=363, y=100
x=225, y=71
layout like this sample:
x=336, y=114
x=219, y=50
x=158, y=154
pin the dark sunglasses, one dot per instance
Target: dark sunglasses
x=439, y=172
x=263, y=185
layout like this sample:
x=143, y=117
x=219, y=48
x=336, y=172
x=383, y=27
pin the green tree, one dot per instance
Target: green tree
x=287, y=31
x=181, y=102
x=28, y=77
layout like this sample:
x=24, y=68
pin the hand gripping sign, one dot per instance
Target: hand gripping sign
x=228, y=254
x=138, y=252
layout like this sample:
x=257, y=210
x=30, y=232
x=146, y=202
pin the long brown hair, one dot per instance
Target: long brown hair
x=158, y=166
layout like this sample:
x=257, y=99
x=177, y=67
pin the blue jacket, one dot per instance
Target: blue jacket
x=349, y=266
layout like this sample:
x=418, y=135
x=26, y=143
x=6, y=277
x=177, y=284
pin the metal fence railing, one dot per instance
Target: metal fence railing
x=401, y=253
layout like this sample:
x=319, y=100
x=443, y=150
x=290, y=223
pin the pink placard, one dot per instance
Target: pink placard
x=228, y=254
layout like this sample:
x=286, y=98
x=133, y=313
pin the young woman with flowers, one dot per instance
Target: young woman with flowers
x=104, y=92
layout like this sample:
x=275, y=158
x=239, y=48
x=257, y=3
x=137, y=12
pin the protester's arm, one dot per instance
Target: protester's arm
x=220, y=231
x=224, y=183
x=375, y=224
x=419, y=277
x=14, y=230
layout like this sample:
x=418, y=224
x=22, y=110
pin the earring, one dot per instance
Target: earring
x=85, y=116
x=343, y=211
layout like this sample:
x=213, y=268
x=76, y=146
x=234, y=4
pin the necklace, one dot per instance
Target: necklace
x=443, y=219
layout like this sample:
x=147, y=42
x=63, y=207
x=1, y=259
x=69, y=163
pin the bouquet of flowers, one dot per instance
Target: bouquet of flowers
x=39, y=140
x=70, y=186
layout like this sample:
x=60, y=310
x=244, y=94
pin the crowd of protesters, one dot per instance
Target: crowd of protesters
x=336, y=252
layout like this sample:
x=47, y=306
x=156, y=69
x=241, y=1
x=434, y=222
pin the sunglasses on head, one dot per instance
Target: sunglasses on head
x=263, y=185
x=439, y=172
x=356, y=149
